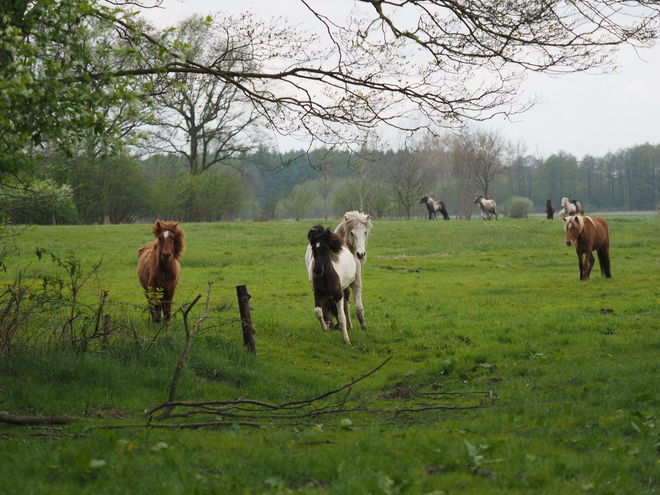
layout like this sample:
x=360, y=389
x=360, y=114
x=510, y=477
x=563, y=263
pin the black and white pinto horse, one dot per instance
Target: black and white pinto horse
x=331, y=269
x=354, y=230
x=434, y=206
x=488, y=206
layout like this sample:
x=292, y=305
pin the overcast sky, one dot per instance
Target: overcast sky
x=580, y=114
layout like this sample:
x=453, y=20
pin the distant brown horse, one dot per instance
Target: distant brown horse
x=549, y=210
x=158, y=268
x=589, y=234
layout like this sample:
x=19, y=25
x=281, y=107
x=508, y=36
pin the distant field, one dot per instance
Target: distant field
x=501, y=371
x=612, y=214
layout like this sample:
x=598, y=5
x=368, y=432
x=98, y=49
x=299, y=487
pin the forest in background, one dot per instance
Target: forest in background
x=323, y=183
x=124, y=122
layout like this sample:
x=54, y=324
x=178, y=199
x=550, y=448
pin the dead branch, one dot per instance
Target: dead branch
x=235, y=404
x=190, y=335
x=35, y=420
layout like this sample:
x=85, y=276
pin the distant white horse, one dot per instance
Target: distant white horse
x=354, y=229
x=488, y=206
x=568, y=209
x=331, y=270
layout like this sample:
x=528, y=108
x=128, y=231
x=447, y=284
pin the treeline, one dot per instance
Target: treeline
x=324, y=183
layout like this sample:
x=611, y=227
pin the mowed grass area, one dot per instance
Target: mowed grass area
x=542, y=392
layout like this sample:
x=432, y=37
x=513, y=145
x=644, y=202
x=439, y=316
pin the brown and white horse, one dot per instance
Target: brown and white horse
x=159, y=269
x=331, y=270
x=354, y=230
x=488, y=206
x=589, y=234
x=434, y=206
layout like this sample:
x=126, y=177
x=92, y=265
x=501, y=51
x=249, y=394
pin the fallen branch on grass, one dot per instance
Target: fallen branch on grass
x=241, y=404
x=326, y=404
x=35, y=420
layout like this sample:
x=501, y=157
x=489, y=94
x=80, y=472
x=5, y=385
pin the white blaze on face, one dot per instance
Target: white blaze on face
x=166, y=234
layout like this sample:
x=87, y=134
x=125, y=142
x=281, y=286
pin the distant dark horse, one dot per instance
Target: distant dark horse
x=589, y=234
x=550, y=210
x=331, y=270
x=434, y=206
x=158, y=268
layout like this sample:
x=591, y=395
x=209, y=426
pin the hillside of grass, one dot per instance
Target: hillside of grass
x=489, y=367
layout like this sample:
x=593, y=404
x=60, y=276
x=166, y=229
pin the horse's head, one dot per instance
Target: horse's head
x=573, y=226
x=478, y=199
x=423, y=200
x=356, y=228
x=166, y=245
x=325, y=245
x=170, y=239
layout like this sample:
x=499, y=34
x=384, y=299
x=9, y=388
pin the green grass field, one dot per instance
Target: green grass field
x=500, y=373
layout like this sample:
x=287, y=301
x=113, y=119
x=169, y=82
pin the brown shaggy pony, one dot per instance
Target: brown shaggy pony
x=589, y=234
x=158, y=268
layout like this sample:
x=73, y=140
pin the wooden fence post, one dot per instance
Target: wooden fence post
x=246, y=318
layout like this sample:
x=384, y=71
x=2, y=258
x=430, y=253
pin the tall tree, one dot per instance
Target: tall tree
x=202, y=118
x=410, y=64
x=408, y=175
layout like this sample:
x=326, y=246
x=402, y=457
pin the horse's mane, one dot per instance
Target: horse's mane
x=320, y=234
x=353, y=218
x=177, y=234
x=578, y=219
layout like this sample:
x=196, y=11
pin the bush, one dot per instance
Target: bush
x=518, y=207
x=39, y=202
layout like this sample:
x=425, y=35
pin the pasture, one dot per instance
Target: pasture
x=488, y=367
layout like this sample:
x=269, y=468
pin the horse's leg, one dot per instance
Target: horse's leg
x=604, y=261
x=341, y=316
x=327, y=312
x=357, y=295
x=153, y=303
x=347, y=307
x=166, y=303
x=318, y=311
x=592, y=260
x=583, y=264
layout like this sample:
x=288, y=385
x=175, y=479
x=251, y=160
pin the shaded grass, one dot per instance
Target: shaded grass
x=465, y=307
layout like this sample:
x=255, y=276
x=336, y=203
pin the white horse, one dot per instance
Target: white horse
x=354, y=229
x=331, y=270
x=488, y=206
x=568, y=209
